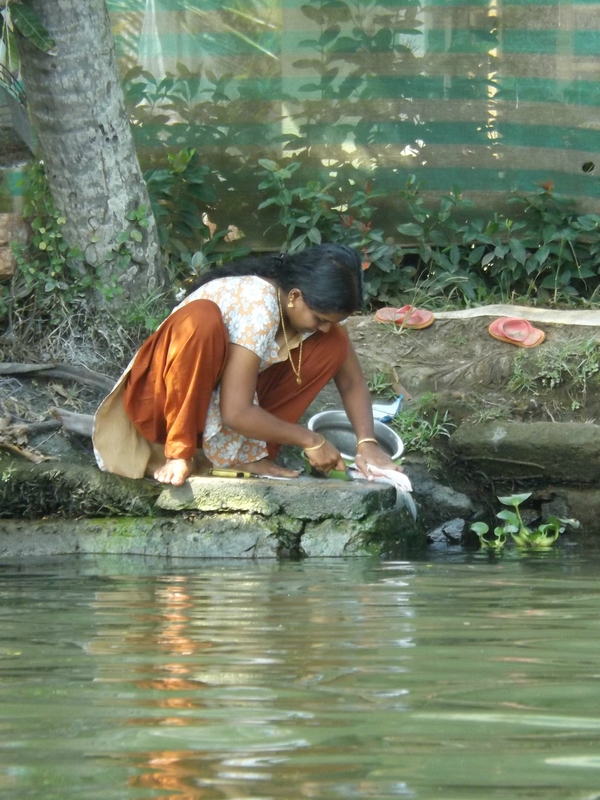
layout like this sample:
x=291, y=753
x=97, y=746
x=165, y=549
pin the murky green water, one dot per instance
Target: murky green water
x=449, y=678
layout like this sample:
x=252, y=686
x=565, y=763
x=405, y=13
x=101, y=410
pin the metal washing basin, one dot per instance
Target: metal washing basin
x=335, y=426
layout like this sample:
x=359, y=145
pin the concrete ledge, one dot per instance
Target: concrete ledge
x=206, y=536
x=559, y=452
x=302, y=498
x=229, y=536
x=204, y=518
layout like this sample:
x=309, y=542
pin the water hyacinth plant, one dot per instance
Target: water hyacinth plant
x=525, y=538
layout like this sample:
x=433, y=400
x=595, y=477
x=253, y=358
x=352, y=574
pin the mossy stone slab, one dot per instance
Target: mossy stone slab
x=301, y=498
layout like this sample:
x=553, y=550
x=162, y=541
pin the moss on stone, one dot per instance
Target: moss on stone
x=67, y=490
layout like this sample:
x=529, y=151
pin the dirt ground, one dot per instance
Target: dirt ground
x=453, y=366
x=477, y=378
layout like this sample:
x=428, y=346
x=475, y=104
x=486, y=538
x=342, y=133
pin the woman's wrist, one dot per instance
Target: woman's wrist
x=366, y=441
x=312, y=440
x=317, y=446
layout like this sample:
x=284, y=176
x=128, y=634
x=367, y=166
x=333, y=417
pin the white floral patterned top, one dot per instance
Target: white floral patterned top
x=251, y=315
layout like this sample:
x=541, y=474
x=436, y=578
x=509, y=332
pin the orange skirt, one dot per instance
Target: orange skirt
x=169, y=386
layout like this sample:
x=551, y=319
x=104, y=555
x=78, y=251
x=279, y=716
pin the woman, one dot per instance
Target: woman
x=232, y=369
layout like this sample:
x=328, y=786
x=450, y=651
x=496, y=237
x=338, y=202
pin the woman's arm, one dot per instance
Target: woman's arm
x=239, y=412
x=356, y=398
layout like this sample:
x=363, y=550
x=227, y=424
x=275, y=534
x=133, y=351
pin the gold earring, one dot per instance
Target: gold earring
x=290, y=304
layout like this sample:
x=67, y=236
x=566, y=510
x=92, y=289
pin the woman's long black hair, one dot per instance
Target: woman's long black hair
x=330, y=276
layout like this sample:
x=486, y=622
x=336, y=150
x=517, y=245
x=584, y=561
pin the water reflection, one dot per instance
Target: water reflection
x=463, y=679
x=230, y=663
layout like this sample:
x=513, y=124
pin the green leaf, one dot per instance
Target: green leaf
x=267, y=164
x=438, y=238
x=268, y=202
x=543, y=253
x=30, y=25
x=476, y=254
x=480, y=528
x=411, y=229
x=518, y=251
x=337, y=474
x=297, y=243
x=509, y=516
x=11, y=55
x=136, y=236
x=313, y=14
x=514, y=499
x=549, y=530
x=314, y=234
x=328, y=35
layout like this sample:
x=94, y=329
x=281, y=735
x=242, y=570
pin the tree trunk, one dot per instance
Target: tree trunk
x=77, y=110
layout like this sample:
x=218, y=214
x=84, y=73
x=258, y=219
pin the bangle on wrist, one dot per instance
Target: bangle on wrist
x=316, y=446
x=362, y=441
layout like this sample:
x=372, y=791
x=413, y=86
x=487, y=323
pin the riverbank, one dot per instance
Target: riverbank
x=517, y=420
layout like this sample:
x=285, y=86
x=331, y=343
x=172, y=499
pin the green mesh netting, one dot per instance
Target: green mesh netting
x=488, y=96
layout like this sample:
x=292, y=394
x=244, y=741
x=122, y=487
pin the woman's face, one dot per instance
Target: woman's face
x=303, y=319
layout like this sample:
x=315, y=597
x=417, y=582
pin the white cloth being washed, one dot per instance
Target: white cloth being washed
x=391, y=476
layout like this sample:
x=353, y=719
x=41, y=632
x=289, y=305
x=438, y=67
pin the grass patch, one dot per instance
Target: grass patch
x=382, y=385
x=420, y=425
x=573, y=366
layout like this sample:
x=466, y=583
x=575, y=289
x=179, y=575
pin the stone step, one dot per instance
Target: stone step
x=303, y=498
x=561, y=452
x=207, y=517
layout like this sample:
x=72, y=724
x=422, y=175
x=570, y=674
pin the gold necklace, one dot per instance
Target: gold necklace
x=287, y=344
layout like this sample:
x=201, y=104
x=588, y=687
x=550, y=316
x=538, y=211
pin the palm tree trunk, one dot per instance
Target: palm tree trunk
x=77, y=110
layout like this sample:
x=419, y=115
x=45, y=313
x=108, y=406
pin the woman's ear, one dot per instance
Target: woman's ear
x=293, y=296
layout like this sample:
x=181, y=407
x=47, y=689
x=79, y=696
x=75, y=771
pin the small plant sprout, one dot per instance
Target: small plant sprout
x=489, y=540
x=381, y=385
x=525, y=538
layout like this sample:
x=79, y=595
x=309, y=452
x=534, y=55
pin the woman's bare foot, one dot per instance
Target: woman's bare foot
x=266, y=467
x=175, y=471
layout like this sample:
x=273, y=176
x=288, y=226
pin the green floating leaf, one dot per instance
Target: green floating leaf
x=480, y=528
x=514, y=499
x=31, y=26
x=548, y=532
x=509, y=516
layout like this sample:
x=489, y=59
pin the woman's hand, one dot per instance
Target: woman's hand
x=325, y=457
x=369, y=452
x=356, y=398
